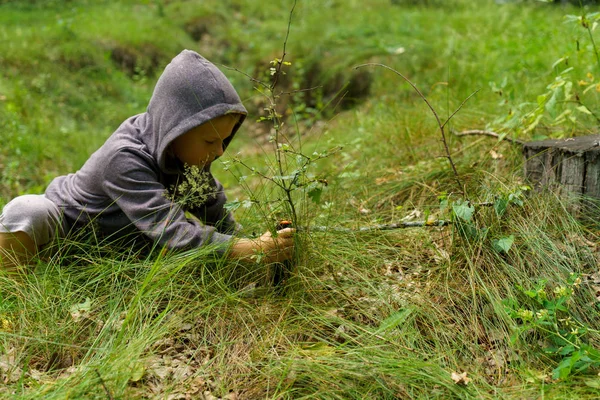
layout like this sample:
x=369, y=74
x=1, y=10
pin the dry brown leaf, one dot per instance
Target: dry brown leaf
x=594, y=278
x=495, y=155
x=9, y=371
x=412, y=215
x=460, y=379
x=383, y=179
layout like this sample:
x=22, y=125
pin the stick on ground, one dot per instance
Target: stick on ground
x=480, y=132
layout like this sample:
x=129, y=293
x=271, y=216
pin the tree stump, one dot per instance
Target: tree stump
x=570, y=165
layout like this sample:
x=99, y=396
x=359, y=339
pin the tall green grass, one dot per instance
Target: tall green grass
x=387, y=314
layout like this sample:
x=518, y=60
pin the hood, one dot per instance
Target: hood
x=190, y=92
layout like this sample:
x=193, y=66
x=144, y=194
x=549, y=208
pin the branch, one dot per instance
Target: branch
x=302, y=90
x=459, y=107
x=382, y=227
x=287, y=35
x=252, y=79
x=488, y=133
x=257, y=172
x=439, y=122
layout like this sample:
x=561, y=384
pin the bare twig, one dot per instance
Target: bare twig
x=488, y=133
x=252, y=79
x=276, y=122
x=257, y=172
x=329, y=152
x=459, y=107
x=435, y=114
x=302, y=90
x=280, y=62
x=381, y=227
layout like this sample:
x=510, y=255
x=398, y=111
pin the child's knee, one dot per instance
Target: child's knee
x=35, y=205
x=19, y=242
x=32, y=215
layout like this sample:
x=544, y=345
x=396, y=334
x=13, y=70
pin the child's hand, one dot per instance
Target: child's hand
x=274, y=249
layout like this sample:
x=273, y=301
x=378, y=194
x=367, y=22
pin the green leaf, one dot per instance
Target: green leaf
x=82, y=307
x=500, y=206
x=137, y=372
x=566, y=350
x=593, y=383
x=393, y=320
x=81, y=311
x=551, y=350
x=426, y=214
x=463, y=211
x=568, y=17
x=470, y=231
x=504, y=244
x=515, y=198
x=563, y=370
x=560, y=60
x=584, y=110
x=551, y=103
x=592, y=352
x=315, y=194
x=541, y=99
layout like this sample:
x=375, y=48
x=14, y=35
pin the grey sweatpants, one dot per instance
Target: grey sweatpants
x=35, y=215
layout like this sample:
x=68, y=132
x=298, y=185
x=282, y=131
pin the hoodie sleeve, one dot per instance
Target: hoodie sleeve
x=132, y=183
x=213, y=212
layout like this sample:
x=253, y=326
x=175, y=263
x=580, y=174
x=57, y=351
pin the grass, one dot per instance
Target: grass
x=387, y=314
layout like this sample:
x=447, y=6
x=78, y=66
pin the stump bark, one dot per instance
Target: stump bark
x=570, y=165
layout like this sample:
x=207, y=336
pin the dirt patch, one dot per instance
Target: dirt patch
x=343, y=88
x=199, y=28
x=144, y=58
x=311, y=93
x=75, y=60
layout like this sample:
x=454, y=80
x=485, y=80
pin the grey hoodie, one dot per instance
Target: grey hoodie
x=122, y=187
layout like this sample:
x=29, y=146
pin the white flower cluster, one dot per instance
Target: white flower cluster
x=195, y=189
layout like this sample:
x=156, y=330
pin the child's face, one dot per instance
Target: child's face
x=203, y=144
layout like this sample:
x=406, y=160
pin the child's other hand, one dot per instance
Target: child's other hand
x=274, y=248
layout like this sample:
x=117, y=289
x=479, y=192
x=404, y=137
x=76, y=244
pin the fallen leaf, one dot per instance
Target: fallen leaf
x=413, y=214
x=383, y=179
x=185, y=327
x=9, y=371
x=6, y=324
x=595, y=278
x=137, y=372
x=81, y=310
x=495, y=155
x=460, y=379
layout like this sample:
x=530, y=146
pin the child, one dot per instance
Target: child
x=122, y=189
